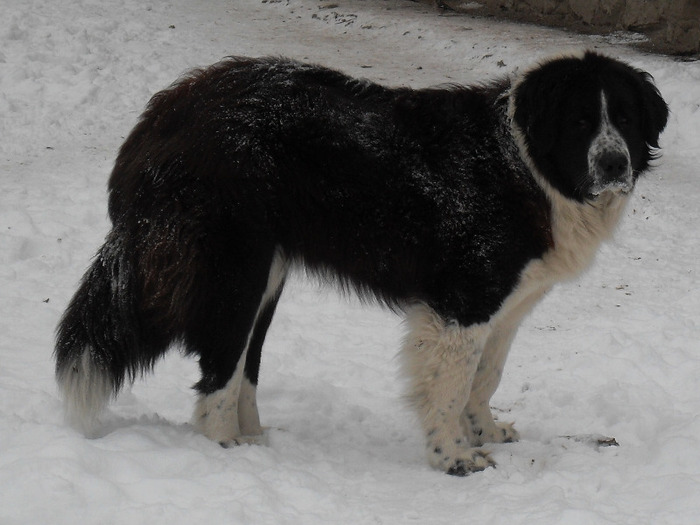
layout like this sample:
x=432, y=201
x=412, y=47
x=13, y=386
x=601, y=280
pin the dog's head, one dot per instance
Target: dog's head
x=589, y=124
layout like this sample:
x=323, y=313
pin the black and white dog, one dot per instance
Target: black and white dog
x=459, y=206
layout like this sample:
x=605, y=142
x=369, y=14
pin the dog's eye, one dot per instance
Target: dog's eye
x=583, y=124
x=622, y=117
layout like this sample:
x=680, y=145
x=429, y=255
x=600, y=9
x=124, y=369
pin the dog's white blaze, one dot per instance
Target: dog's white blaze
x=608, y=139
x=230, y=415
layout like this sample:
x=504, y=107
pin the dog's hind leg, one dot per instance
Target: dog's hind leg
x=442, y=359
x=226, y=411
x=248, y=418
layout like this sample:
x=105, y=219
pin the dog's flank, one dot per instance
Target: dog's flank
x=458, y=206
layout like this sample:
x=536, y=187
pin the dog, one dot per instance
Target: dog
x=458, y=206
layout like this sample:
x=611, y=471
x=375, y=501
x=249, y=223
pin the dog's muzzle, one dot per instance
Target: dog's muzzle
x=613, y=172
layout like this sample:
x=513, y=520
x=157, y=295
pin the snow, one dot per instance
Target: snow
x=614, y=353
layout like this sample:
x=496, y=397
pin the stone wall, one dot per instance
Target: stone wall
x=671, y=26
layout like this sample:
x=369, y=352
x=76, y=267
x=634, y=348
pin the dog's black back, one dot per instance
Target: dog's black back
x=376, y=187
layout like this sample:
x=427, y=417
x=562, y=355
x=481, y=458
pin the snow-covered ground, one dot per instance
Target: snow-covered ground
x=615, y=353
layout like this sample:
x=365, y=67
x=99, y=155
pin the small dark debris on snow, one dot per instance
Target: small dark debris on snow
x=595, y=440
x=608, y=442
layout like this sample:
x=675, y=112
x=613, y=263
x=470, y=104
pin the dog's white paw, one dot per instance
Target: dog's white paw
x=485, y=430
x=260, y=439
x=460, y=461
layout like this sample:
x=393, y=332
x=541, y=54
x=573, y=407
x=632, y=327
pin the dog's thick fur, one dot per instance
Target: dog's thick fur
x=459, y=206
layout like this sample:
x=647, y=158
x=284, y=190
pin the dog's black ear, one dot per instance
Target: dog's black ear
x=655, y=109
x=536, y=100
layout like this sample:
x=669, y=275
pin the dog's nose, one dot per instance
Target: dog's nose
x=613, y=165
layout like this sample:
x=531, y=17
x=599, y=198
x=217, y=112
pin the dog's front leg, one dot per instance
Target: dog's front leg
x=441, y=361
x=477, y=421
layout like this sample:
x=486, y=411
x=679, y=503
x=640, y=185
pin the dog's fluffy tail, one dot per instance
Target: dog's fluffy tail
x=99, y=340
